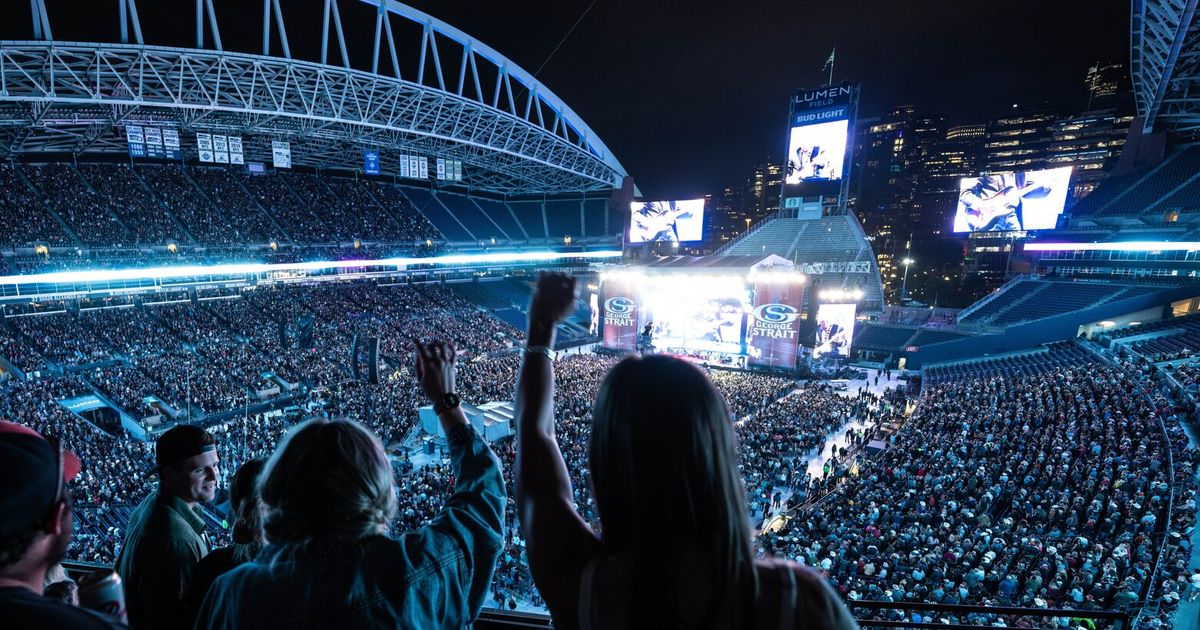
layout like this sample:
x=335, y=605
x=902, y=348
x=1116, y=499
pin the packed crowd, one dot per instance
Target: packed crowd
x=123, y=206
x=1046, y=491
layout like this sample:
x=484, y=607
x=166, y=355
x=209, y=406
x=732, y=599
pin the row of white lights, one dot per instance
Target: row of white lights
x=1130, y=246
x=838, y=295
x=782, y=277
x=189, y=271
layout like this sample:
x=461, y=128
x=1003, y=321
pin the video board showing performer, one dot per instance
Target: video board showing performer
x=1012, y=202
x=835, y=330
x=666, y=221
x=817, y=152
x=712, y=321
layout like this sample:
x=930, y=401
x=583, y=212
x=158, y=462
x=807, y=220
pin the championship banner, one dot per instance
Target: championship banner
x=414, y=167
x=235, y=150
x=170, y=139
x=773, y=333
x=441, y=168
x=281, y=154
x=371, y=162
x=619, y=315
x=154, y=143
x=457, y=170
x=136, y=139
x=221, y=149
x=423, y=163
x=204, y=146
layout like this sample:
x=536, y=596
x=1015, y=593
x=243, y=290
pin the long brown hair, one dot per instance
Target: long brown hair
x=663, y=458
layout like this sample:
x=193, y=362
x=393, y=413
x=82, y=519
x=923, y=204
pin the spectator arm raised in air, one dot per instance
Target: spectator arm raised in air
x=558, y=542
x=471, y=525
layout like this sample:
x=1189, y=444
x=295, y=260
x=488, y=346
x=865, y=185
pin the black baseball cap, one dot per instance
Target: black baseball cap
x=34, y=471
x=182, y=442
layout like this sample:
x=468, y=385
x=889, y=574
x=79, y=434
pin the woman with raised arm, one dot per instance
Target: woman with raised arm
x=674, y=548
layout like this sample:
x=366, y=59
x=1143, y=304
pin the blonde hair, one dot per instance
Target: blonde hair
x=327, y=479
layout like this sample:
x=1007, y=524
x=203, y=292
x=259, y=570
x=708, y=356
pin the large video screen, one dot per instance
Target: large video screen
x=666, y=221
x=817, y=152
x=685, y=315
x=1012, y=202
x=722, y=318
x=835, y=330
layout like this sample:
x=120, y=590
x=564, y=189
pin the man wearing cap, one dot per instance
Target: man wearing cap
x=166, y=535
x=36, y=524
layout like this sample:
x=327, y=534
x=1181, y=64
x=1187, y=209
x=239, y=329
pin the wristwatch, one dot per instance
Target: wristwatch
x=446, y=403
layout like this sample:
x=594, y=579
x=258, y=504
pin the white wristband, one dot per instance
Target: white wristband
x=543, y=350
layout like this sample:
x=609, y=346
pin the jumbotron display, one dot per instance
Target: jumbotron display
x=819, y=131
x=835, y=329
x=1012, y=202
x=666, y=221
x=817, y=152
x=726, y=319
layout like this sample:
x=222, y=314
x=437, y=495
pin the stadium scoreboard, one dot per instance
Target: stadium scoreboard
x=820, y=123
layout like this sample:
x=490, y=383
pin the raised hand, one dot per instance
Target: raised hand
x=435, y=369
x=553, y=299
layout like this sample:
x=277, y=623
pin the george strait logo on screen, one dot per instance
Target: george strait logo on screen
x=775, y=321
x=619, y=311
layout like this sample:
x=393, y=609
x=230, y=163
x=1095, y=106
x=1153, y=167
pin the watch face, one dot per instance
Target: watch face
x=451, y=400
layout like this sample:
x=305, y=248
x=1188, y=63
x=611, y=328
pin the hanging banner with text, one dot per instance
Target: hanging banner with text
x=281, y=154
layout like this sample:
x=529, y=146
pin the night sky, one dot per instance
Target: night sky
x=690, y=95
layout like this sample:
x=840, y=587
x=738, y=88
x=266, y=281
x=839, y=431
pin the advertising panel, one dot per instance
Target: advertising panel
x=835, y=330
x=666, y=221
x=773, y=334
x=1012, y=202
x=619, y=315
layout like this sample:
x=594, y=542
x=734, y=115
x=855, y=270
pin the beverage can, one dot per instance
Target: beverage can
x=104, y=592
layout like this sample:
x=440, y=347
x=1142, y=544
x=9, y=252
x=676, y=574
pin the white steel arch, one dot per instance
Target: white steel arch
x=74, y=97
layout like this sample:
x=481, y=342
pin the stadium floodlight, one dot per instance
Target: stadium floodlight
x=192, y=271
x=1128, y=246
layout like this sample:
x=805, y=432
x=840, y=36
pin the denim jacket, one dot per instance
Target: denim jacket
x=434, y=577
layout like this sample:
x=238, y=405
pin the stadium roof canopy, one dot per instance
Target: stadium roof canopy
x=431, y=90
x=1165, y=63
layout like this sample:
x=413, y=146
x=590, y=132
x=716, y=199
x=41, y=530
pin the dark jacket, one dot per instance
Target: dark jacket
x=22, y=608
x=164, y=542
x=433, y=577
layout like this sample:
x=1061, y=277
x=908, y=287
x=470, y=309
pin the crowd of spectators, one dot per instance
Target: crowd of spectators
x=87, y=213
x=200, y=217
x=1043, y=491
x=120, y=188
x=24, y=219
x=1040, y=491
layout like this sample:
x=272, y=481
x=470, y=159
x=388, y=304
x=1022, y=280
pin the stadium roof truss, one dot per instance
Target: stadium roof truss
x=465, y=101
x=1165, y=63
